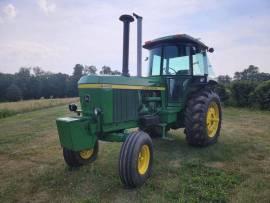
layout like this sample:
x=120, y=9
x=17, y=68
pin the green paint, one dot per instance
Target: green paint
x=114, y=137
x=121, y=100
x=76, y=133
x=119, y=80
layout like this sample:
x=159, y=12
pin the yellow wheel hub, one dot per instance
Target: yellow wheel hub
x=86, y=154
x=144, y=159
x=212, y=119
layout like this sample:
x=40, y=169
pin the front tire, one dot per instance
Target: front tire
x=79, y=158
x=136, y=159
x=203, y=118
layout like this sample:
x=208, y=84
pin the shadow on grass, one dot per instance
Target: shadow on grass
x=224, y=150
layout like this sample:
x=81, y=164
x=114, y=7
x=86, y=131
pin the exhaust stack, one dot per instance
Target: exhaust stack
x=126, y=19
x=139, y=44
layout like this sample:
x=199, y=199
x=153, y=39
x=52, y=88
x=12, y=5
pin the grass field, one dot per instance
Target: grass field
x=12, y=108
x=236, y=169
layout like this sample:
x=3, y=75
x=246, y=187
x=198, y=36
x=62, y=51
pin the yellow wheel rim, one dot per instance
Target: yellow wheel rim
x=144, y=159
x=212, y=119
x=86, y=154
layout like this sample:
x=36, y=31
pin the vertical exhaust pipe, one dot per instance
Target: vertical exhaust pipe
x=126, y=19
x=139, y=44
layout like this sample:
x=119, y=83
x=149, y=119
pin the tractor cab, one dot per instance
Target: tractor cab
x=179, y=60
x=177, y=55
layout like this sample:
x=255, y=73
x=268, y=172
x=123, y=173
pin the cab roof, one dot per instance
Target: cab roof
x=184, y=38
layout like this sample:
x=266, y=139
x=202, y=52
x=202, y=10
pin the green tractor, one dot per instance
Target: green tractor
x=178, y=93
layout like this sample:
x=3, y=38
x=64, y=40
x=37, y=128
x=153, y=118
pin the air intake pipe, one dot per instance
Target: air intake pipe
x=139, y=44
x=126, y=19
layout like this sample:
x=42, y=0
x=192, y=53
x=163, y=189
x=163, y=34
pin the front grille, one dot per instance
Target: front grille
x=125, y=105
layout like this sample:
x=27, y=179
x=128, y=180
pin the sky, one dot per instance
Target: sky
x=57, y=34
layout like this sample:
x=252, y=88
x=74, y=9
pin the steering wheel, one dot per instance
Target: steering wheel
x=172, y=69
x=169, y=73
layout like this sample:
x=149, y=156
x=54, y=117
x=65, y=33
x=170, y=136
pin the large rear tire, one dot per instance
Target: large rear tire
x=79, y=158
x=136, y=159
x=203, y=118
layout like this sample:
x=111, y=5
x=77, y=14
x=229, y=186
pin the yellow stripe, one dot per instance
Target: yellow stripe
x=124, y=87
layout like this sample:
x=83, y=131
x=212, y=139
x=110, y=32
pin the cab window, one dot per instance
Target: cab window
x=198, y=64
x=155, y=61
x=176, y=60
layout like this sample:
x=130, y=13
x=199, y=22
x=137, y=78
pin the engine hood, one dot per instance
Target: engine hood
x=119, y=80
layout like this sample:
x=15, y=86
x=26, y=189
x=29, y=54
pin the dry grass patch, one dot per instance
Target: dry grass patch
x=12, y=108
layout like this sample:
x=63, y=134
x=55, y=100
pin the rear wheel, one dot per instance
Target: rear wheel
x=79, y=158
x=136, y=159
x=203, y=118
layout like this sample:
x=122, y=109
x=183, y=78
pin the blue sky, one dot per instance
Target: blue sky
x=56, y=34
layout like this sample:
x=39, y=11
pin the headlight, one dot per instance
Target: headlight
x=96, y=111
x=72, y=107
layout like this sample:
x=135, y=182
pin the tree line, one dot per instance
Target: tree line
x=35, y=83
x=249, y=88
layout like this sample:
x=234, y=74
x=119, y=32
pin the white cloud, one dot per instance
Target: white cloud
x=89, y=32
x=47, y=6
x=9, y=11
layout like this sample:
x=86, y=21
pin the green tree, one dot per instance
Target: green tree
x=5, y=81
x=72, y=82
x=105, y=70
x=58, y=83
x=241, y=92
x=263, y=76
x=224, y=79
x=237, y=76
x=77, y=71
x=252, y=74
x=13, y=93
x=116, y=72
x=38, y=71
x=90, y=70
x=262, y=94
x=22, y=80
x=223, y=92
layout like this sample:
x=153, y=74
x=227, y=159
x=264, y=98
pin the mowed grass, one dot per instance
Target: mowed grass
x=12, y=108
x=236, y=169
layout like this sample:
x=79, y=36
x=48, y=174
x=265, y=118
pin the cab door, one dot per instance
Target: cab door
x=176, y=89
x=177, y=71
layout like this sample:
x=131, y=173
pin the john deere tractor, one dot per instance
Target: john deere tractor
x=178, y=93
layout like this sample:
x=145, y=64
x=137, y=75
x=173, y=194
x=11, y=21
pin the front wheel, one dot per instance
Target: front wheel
x=203, y=118
x=136, y=159
x=79, y=158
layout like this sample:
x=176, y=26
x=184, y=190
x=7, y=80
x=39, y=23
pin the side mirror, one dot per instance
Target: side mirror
x=211, y=50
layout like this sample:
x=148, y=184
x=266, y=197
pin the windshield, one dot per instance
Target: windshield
x=171, y=60
x=176, y=60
